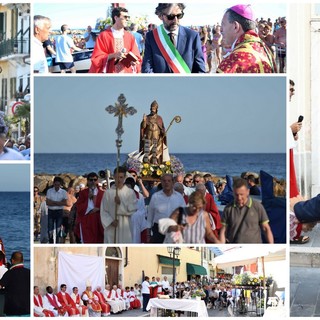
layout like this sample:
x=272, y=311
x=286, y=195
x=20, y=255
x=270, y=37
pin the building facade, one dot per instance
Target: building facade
x=128, y=265
x=303, y=69
x=14, y=56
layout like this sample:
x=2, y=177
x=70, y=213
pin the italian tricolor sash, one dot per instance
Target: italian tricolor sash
x=169, y=52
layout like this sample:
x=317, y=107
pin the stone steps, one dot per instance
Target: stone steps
x=305, y=257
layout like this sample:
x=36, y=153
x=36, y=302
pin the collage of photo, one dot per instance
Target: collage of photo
x=185, y=175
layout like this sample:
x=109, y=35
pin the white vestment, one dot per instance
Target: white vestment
x=126, y=208
x=138, y=221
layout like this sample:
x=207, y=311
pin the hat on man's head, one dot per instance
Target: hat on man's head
x=154, y=104
x=243, y=10
x=131, y=170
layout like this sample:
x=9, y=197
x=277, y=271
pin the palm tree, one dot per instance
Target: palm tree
x=22, y=115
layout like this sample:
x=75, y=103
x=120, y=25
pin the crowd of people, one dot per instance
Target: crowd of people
x=251, y=47
x=114, y=299
x=93, y=303
x=11, y=149
x=176, y=209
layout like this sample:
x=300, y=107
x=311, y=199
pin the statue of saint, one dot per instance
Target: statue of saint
x=152, y=136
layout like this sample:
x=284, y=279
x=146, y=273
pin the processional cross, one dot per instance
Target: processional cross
x=120, y=109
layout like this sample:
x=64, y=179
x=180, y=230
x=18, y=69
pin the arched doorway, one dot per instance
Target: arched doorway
x=113, y=258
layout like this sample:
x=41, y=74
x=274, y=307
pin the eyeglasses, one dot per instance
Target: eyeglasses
x=172, y=16
x=187, y=181
x=125, y=17
x=93, y=179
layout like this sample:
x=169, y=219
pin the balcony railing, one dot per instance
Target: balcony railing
x=20, y=44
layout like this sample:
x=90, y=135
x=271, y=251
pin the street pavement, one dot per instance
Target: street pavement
x=305, y=277
x=139, y=313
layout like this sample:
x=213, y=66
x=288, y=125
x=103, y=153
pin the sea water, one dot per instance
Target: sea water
x=15, y=223
x=219, y=164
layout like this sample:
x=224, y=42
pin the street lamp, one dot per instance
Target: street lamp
x=175, y=253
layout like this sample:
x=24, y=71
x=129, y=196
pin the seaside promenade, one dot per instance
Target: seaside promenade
x=304, y=277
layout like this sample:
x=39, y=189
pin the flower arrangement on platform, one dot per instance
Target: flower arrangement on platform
x=103, y=24
x=174, y=166
x=198, y=293
x=249, y=279
x=133, y=163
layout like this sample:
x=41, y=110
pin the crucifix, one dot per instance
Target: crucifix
x=119, y=110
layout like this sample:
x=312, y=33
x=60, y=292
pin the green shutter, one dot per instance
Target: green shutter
x=168, y=261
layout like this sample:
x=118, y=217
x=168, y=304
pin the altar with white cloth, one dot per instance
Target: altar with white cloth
x=187, y=305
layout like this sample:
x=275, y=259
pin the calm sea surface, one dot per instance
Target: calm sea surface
x=218, y=164
x=15, y=223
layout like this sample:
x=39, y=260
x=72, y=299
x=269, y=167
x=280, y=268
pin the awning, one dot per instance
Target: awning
x=196, y=269
x=168, y=260
x=249, y=255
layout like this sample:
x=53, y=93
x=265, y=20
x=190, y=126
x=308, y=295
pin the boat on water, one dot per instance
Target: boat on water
x=82, y=61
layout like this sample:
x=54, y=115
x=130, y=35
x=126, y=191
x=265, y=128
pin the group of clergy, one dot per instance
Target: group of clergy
x=97, y=303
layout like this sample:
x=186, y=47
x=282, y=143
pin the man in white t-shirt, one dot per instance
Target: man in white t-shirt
x=56, y=199
x=64, y=44
x=165, y=285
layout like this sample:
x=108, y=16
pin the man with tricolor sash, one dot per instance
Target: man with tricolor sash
x=171, y=48
x=249, y=54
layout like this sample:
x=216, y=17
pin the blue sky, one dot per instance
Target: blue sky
x=219, y=114
x=79, y=14
x=14, y=177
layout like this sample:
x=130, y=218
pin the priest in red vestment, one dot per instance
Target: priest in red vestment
x=67, y=302
x=114, y=45
x=79, y=303
x=88, y=223
x=38, y=309
x=105, y=307
x=50, y=302
x=91, y=301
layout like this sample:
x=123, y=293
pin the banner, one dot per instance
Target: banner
x=75, y=270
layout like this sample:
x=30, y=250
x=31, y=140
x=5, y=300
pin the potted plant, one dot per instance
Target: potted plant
x=260, y=307
x=198, y=294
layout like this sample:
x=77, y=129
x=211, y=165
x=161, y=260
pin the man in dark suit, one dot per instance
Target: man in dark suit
x=306, y=211
x=16, y=285
x=171, y=48
x=88, y=224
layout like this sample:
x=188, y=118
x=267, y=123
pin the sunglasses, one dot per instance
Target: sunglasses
x=125, y=17
x=187, y=181
x=93, y=179
x=173, y=16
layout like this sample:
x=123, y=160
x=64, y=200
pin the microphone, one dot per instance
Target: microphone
x=123, y=50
